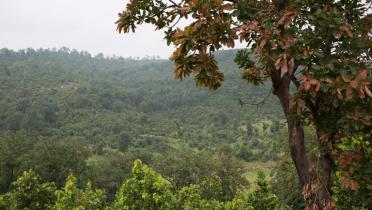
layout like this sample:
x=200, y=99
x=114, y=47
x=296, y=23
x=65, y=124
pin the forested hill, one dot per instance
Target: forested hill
x=68, y=93
x=64, y=110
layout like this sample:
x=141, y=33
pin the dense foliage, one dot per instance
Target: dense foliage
x=65, y=111
x=317, y=55
x=80, y=122
x=145, y=190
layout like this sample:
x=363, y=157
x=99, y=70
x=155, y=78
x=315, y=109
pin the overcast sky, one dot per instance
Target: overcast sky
x=78, y=24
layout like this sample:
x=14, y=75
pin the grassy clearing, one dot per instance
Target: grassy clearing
x=253, y=167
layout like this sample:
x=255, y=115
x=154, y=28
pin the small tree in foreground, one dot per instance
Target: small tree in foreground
x=28, y=192
x=316, y=53
x=146, y=190
x=73, y=198
x=263, y=197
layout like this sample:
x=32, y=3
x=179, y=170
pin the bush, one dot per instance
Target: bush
x=146, y=190
x=29, y=193
x=72, y=198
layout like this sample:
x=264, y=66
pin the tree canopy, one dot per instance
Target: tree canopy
x=317, y=55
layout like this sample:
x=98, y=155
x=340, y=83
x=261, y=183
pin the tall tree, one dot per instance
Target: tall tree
x=316, y=53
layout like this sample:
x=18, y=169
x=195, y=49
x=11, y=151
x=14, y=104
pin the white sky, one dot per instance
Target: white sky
x=77, y=24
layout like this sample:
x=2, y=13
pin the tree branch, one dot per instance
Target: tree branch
x=241, y=102
x=175, y=4
x=295, y=81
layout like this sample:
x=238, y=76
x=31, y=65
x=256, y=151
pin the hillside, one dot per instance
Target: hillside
x=99, y=114
x=63, y=93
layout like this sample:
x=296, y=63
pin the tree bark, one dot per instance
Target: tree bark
x=326, y=157
x=316, y=192
x=327, y=162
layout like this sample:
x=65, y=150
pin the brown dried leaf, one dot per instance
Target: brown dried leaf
x=323, y=138
x=284, y=67
x=345, y=78
x=274, y=46
x=230, y=43
x=289, y=41
x=349, y=183
x=361, y=74
x=354, y=83
x=317, y=87
x=339, y=34
x=313, y=82
x=278, y=63
x=262, y=42
x=348, y=31
x=365, y=121
x=291, y=65
x=327, y=8
x=339, y=94
x=361, y=93
x=184, y=10
x=308, y=51
x=300, y=106
x=368, y=92
x=349, y=94
x=282, y=20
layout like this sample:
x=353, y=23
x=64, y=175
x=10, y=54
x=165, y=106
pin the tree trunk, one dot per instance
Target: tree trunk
x=326, y=158
x=315, y=191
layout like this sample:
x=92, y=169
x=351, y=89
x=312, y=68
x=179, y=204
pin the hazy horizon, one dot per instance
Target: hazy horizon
x=84, y=25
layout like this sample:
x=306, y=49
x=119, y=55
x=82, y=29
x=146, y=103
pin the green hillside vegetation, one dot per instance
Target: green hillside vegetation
x=72, y=123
